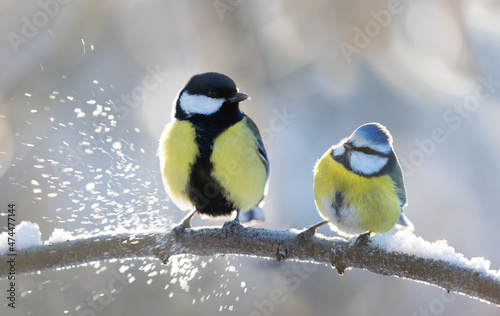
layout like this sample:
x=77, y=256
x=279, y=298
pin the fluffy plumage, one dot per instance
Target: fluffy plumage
x=211, y=155
x=358, y=183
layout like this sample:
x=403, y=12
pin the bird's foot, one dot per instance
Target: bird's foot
x=362, y=240
x=185, y=224
x=179, y=229
x=231, y=226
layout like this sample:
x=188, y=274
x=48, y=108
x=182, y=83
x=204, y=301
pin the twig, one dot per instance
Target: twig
x=280, y=244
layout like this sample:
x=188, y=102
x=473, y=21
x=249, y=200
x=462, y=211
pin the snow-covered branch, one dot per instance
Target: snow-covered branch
x=402, y=255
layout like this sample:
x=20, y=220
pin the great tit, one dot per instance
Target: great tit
x=212, y=157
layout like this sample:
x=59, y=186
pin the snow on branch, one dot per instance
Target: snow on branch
x=403, y=255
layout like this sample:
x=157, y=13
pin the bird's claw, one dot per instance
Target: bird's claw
x=362, y=240
x=231, y=226
x=179, y=229
x=185, y=224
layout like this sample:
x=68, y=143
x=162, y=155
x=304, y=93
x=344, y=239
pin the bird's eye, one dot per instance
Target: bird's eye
x=367, y=150
x=213, y=94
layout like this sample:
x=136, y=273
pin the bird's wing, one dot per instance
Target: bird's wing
x=256, y=213
x=397, y=176
x=261, y=149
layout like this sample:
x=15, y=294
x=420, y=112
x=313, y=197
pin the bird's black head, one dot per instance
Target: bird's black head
x=211, y=84
x=207, y=94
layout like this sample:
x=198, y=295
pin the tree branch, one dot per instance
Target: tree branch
x=280, y=244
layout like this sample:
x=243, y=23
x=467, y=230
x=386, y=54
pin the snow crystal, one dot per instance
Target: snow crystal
x=406, y=242
x=90, y=186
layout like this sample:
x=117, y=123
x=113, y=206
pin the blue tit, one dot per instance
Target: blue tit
x=358, y=184
x=212, y=157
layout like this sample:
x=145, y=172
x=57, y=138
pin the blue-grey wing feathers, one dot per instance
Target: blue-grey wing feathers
x=256, y=213
x=397, y=176
x=262, y=150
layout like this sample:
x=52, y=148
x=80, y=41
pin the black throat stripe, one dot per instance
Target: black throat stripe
x=204, y=191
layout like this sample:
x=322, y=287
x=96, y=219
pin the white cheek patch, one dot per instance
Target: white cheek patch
x=367, y=164
x=338, y=150
x=199, y=104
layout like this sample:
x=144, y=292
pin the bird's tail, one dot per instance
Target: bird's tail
x=404, y=223
x=254, y=215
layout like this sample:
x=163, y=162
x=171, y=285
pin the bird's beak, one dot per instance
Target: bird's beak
x=238, y=97
x=348, y=146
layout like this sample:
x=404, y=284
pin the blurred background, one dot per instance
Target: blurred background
x=86, y=88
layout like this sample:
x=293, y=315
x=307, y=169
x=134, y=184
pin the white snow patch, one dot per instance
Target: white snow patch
x=406, y=242
x=59, y=235
x=27, y=234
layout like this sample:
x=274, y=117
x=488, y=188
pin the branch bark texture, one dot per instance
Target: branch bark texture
x=258, y=242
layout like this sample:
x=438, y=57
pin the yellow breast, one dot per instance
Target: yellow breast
x=237, y=166
x=178, y=152
x=373, y=200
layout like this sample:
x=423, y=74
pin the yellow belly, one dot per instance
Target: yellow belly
x=236, y=164
x=178, y=152
x=372, y=202
x=238, y=167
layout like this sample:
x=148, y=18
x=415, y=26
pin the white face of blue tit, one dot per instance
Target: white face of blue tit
x=339, y=150
x=367, y=149
x=199, y=104
x=367, y=164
